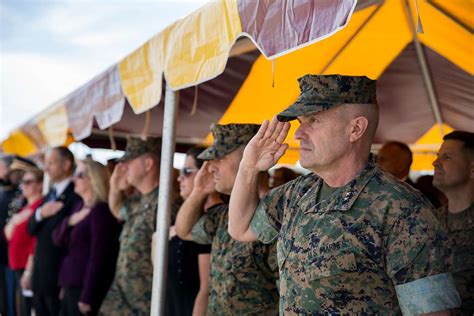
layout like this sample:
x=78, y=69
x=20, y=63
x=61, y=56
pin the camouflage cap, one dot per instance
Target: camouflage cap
x=322, y=92
x=137, y=147
x=228, y=138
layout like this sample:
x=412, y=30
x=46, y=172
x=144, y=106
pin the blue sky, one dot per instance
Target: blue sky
x=50, y=48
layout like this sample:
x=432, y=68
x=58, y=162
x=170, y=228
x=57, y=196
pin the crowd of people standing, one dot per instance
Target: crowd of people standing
x=353, y=236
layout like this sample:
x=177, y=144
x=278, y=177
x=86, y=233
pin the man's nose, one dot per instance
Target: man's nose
x=300, y=134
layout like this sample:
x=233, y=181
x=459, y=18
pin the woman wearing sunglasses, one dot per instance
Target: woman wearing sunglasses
x=90, y=237
x=188, y=262
x=21, y=244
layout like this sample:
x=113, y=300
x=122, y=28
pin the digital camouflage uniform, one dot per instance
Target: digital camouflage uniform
x=373, y=247
x=460, y=229
x=243, y=275
x=348, y=253
x=243, y=278
x=130, y=292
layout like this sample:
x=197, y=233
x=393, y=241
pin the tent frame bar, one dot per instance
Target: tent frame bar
x=160, y=269
x=117, y=134
x=450, y=16
x=427, y=78
x=361, y=27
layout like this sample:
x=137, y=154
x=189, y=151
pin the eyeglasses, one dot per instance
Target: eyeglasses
x=28, y=181
x=186, y=172
x=80, y=175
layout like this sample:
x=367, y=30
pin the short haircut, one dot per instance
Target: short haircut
x=155, y=156
x=403, y=147
x=195, y=152
x=369, y=111
x=65, y=153
x=467, y=138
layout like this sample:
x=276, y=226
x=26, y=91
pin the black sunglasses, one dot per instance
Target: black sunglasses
x=186, y=172
x=28, y=181
x=80, y=175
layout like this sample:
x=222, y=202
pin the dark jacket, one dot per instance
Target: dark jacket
x=91, y=253
x=11, y=201
x=48, y=256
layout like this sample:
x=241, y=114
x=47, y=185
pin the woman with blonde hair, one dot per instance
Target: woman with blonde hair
x=90, y=237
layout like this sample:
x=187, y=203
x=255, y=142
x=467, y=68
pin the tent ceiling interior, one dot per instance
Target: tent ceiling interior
x=198, y=108
x=377, y=42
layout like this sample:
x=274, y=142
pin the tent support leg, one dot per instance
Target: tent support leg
x=420, y=54
x=164, y=203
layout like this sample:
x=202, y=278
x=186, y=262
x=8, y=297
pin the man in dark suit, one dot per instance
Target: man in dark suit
x=59, y=201
x=11, y=201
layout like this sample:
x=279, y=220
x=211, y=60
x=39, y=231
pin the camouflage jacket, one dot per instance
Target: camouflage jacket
x=130, y=292
x=243, y=275
x=371, y=241
x=460, y=228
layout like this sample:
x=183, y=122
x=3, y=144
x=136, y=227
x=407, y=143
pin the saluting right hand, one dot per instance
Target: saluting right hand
x=51, y=208
x=118, y=178
x=266, y=147
x=204, y=180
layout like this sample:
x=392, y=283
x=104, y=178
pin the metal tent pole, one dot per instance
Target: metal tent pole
x=425, y=72
x=164, y=203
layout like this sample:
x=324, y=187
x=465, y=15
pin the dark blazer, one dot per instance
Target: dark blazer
x=48, y=256
x=91, y=253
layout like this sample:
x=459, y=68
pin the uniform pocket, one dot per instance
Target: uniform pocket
x=331, y=260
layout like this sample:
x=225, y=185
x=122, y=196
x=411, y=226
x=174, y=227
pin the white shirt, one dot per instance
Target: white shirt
x=61, y=186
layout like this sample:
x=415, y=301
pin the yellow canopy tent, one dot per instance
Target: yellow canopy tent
x=190, y=51
x=204, y=50
x=224, y=77
x=375, y=38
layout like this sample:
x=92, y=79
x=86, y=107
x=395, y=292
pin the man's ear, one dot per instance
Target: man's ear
x=358, y=127
x=67, y=166
x=148, y=161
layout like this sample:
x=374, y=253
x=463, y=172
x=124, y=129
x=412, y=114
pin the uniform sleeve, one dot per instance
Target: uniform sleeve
x=266, y=222
x=417, y=256
x=205, y=229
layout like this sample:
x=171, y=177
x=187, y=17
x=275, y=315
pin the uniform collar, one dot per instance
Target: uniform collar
x=344, y=197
